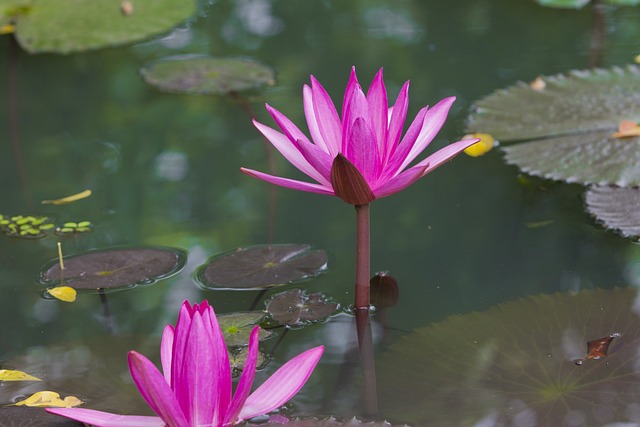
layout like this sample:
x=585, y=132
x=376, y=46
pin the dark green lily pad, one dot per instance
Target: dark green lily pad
x=239, y=358
x=325, y=422
x=577, y=4
x=64, y=26
x=515, y=365
x=569, y=124
x=297, y=308
x=261, y=266
x=237, y=327
x=13, y=416
x=200, y=74
x=114, y=268
x=617, y=208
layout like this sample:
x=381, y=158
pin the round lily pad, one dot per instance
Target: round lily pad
x=114, y=268
x=237, y=327
x=200, y=74
x=261, y=266
x=617, y=208
x=515, y=364
x=297, y=308
x=33, y=417
x=570, y=122
x=64, y=26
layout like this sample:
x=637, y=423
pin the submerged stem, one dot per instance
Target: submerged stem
x=363, y=255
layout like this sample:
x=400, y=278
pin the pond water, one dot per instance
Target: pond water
x=164, y=170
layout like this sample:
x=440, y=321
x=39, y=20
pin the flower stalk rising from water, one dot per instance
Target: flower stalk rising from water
x=195, y=388
x=360, y=156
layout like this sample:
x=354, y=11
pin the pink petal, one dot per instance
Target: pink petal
x=396, y=122
x=290, y=183
x=361, y=149
x=312, y=123
x=401, y=181
x=445, y=154
x=246, y=380
x=352, y=85
x=181, y=333
x=105, y=419
x=358, y=108
x=155, y=390
x=326, y=117
x=318, y=159
x=289, y=150
x=378, y=107
x=166, y=352
x=282, y=385
x=433, y=121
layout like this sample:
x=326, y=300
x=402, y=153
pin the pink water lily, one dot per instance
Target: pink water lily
x=362, y=155
x=195, y=388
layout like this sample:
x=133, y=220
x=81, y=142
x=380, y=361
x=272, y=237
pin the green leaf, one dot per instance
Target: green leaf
x=198, y=74
x=297, y=308
x=616, y=208
x=517, y=361
x=65, y=26
x=237, y=327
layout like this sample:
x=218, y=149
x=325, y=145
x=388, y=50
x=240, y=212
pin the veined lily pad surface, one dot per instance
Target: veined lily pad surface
x=237, y=327
x=297, y=308
x=261, y=266
x=64, y=26
x=515, y=365
x=200, y=74
x=114, y=268
x=577, y=4
x=617, y=208
x=567, y=122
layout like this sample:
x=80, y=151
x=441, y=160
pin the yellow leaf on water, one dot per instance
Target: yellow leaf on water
x=7, y=29
x=10, y=375
x=485, y=144
x=49, y=399
x=63, y=293
x=82, y=195
x=627, y=128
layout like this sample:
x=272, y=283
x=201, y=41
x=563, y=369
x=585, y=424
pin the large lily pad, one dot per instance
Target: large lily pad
x=569, y=121
x=515, y=364
x=617, y=208
x=206, y=75
x=237, y=327
x=114, y=268
x=261, y=266
x=65, y=26
x=297, y=308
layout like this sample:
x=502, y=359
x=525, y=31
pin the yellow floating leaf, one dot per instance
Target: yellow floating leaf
x=82, y=195
x=49, y=399
x=627, y=128
x=63, y=293
x=485, y=144
x=7, y=29
x=10, y=375
x=637, y=59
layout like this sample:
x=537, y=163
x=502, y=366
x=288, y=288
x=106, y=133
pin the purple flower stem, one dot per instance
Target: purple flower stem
x=363, y=255
x=365, y=345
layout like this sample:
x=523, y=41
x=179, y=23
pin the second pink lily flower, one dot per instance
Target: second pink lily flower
x=361, y=156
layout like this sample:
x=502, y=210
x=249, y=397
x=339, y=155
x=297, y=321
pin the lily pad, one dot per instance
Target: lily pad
x=12, y=416
x=237, y=327
x=114, y=268
x=63, y=26
x=200, y=74
x=568, y=121
x=261, y=266
x=297, y=308
x=617, y=208
x=238, y=359
x=515, y=364
x=577, y=4
x=325, y=422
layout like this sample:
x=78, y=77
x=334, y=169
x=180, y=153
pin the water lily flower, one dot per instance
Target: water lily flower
x=195, y=388
x=361, y=156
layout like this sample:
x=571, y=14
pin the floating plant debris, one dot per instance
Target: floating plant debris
x=24, y=416
x=569, y=127
x=61, y=26
x=296, y=307
x=49, y=399
x=199, y=74
x=237, y=327
x=74, y=227
x=481, y=147
x=261, y=266
x=514, y=364
x=26, y=226
x=114, y=268
x=69, y=199
x=598, y=348
x=12, y=375
x=63, y=293
x=616, y=208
